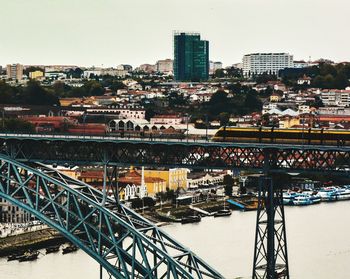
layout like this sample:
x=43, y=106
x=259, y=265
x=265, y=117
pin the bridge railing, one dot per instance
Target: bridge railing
x=160, y=138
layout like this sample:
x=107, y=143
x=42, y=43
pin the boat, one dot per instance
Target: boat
x=288, y=198
x=191, y=219
x=69, y=249
x=315, y=198
x=302, y=199
x=328, y=194
x=222, y=212
x=343, y=193
x=15, y=257
x=52, y=249
x=29, y=256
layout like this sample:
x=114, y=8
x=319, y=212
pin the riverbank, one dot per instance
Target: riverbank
x=171, y=213
x=31, y=240
x=43, y=238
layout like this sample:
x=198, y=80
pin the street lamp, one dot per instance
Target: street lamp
x=84, y=118
x=206, y=127
x=3, y=118
x=187, y=118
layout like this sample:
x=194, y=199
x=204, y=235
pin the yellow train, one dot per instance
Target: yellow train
x=307, y=136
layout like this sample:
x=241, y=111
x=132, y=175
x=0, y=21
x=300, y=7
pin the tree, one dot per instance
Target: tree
x=148, y=201
x=224, y=118
x=17, y=125
x=228, y=182
x=35, y=94
x=136, y=203
x=252, y=101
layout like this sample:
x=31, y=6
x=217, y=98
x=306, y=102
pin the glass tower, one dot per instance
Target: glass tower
x=191, y=57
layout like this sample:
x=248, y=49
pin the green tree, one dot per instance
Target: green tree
x=16, y=125
x=148, y=201
x=136, y=203
x=224, y=118
x=35, y=94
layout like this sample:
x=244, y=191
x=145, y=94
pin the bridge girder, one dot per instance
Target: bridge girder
x=179, y=154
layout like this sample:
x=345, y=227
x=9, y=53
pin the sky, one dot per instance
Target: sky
x=112, y=32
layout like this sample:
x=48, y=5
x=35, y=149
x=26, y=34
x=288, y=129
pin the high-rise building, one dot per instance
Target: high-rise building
x=270, y=63
x=14, y=71
x=191, y=57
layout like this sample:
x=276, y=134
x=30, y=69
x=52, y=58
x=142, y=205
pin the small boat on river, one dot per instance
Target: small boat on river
x=222, y=212
x=52, y=249
x=29, y=256
x=15, y=257
x=69, y=249
x=191, y=219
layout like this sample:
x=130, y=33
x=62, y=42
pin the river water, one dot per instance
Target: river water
x=318, y=246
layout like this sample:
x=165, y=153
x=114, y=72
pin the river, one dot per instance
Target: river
x=318, y=246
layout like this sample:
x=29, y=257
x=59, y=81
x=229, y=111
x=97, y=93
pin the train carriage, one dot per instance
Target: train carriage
x=306, y=136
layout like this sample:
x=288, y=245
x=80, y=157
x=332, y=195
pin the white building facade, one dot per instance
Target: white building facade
x=270, y=63
x=334, y=97
x=10, y=213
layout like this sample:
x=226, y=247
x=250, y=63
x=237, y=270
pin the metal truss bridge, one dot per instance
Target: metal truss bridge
x=123, y=242
x=126, y=244
x=96, y=150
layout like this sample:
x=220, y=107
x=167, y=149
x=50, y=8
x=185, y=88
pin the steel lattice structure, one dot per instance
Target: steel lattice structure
x=169, y=153
x=270, y=260
x=270, y=254
x=123, y=242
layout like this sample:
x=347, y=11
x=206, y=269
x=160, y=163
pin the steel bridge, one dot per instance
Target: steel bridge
x=124, y=243
x=96, y=150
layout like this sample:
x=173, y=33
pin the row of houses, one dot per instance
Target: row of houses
x=148, y=182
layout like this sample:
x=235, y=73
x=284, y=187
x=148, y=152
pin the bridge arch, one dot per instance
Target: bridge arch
x=123, y=242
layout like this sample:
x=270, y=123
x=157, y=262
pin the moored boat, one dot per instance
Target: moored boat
x=343, y=193
x=69, y=249
x=29, y=256
x=52, y=249
x=302, y=199
x=328, y=194
x=15, y=257
x=288, y=197
x=191, y=219
x=223, y=212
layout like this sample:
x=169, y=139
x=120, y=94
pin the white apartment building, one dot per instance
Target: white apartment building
x=55, y=75
x=271, y=63
x=334, y=97
x=123, y=113
x=10, y=213
x=166, y=119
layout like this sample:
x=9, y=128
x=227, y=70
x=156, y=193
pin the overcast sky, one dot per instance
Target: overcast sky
x=111, y=32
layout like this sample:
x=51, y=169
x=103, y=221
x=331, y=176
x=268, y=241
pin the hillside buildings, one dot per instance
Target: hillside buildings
x=191, y=57
x=334, y=97
x=213, y=66
x=165, y=66
x=270, y=63
x=36, y=74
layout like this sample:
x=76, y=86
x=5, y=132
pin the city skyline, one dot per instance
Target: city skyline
x=88, y=33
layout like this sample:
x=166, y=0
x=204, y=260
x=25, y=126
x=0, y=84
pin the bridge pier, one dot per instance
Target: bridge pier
x=270, y=252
